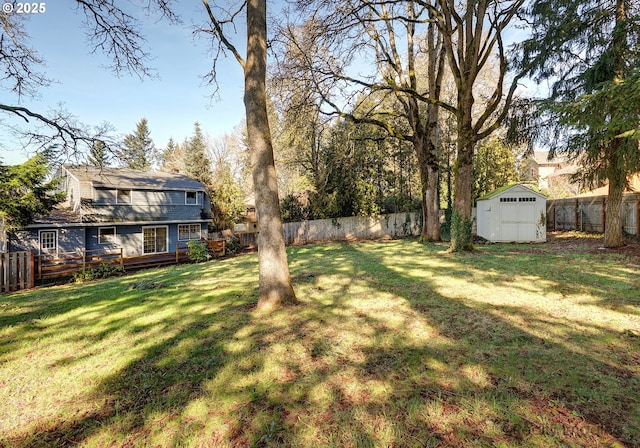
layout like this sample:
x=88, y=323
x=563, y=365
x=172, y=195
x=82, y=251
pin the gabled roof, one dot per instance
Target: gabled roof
x=507, y=188
x=542, y=158
x=567, y=170
x=132, y=179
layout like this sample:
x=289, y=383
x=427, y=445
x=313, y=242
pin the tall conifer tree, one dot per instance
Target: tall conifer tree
x=591, y=52
x=196, y=162
x=98, y=155
x=138, y=150
x=172, y=158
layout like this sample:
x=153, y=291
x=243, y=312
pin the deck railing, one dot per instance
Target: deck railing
x=65, y=264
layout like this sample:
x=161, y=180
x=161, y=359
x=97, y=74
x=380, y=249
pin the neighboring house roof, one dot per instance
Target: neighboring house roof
x=134, y=179
x=568, y=170
x=542, y=158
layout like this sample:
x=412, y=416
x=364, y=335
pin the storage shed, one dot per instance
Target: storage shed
x=513, y=214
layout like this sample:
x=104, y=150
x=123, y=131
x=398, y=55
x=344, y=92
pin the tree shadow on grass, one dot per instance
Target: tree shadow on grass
x=590, y=369
x=374, y=357
x=436, y=372
x=171, y=335
x=607, y=278
x=158, y=385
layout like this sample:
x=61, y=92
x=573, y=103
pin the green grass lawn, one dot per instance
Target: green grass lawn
x=395, y=344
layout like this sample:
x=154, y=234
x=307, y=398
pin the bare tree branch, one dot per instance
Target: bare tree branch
x=219, y=33
x=18, y=61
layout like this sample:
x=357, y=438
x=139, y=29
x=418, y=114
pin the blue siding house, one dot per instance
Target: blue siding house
x=141, y=212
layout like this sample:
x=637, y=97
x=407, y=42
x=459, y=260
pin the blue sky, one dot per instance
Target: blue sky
x=94, y=94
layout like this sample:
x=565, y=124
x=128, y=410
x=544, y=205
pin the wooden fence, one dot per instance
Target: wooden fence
x=589, y=214
x=353, y=228
x=16, y=271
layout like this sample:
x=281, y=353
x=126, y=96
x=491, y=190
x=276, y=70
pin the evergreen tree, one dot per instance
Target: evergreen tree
x=138, y=150
x=196, y=163
x=172, y=158
x=98, y=155
x=227, y=198
x=591, y=52
x=494, y=166
x=25, y=192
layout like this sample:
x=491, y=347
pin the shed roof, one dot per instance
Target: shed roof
x=506, y=188
x=135, y=179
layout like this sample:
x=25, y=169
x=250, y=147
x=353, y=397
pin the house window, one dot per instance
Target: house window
x=123, y=197
x=508, y=199
x=191, y=197
x=48, y=241
x=154, y=240
x=531, y=199
x=107, y=235
x=188, y=232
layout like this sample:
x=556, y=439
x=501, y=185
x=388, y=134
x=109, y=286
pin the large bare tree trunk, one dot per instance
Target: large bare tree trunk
x=274, y=279
x=461, y=223
x=432, y=199
x=433, y=206
x=429, y=187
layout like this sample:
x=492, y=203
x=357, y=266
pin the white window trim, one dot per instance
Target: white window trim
x=166, y=242
x=115, y=235
x=186, y=193
x=40, y=232
x=130, y=196
x=189, y=239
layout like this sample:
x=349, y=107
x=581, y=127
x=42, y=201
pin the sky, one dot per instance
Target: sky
x=93, y=94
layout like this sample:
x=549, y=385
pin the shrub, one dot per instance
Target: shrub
x=198, y=251
x=293, y=210
x=105, y=270
x=232, y=246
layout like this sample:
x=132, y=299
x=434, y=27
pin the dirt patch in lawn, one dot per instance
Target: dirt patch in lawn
x=579, y=242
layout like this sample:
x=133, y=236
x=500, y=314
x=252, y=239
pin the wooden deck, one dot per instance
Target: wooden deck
x=67, y=264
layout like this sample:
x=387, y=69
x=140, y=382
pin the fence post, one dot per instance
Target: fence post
x=21, y=269
x=32, y=270
x=4, y=278
x=638, y=216
x=121, y=259
x=177, y=254
x=604, y=213
x=13, y=265
x=577, y=212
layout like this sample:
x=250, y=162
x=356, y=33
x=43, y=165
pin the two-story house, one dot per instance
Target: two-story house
x=108, y=208
x=551, y=175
